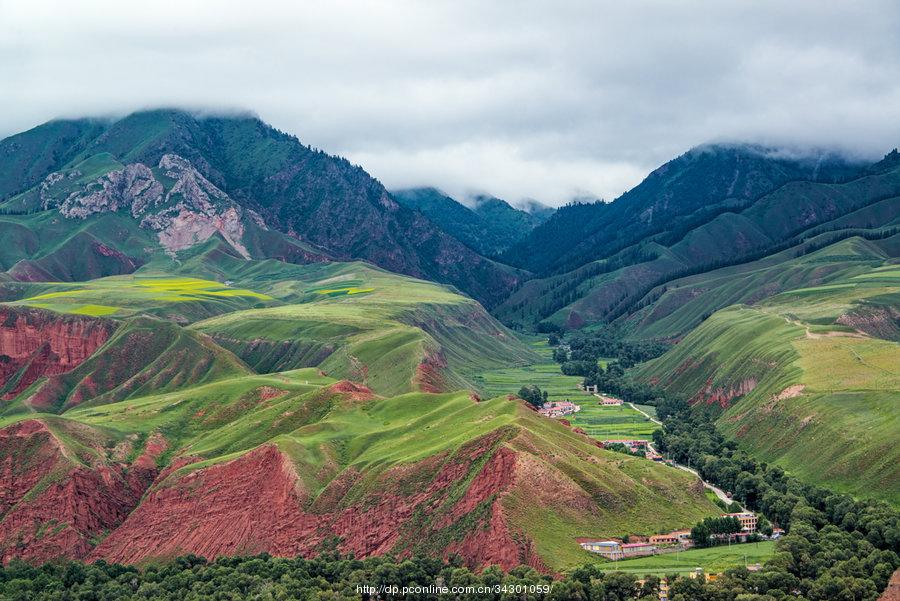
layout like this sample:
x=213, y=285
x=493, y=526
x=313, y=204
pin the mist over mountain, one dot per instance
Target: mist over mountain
x=265, y=176
x=486, y=224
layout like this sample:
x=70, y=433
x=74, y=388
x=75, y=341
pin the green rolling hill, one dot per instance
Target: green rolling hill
x=293, y=408
x=808, y=378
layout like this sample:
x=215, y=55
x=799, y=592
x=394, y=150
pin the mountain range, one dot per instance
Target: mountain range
x=184, y=178
x=217, y=340
x=490, y=226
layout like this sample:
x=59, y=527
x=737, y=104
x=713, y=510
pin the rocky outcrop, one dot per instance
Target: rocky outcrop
x=134, y=188
x=52, y=504
x=187, y=210
x=36, y=343
x=723, y=395
x=429, y=376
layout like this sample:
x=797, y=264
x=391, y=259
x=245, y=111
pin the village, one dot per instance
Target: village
x=635, y=546
x=562, y=409
x=677, y=540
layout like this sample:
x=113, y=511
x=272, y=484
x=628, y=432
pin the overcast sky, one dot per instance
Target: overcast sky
x=521, y=99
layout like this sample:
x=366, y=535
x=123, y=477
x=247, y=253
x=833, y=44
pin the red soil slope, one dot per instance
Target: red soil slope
x=52, y=504
x=43, y=343
x=257, y=503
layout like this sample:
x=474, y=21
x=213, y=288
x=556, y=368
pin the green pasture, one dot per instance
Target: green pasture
x=605, y=423
x=713, y=560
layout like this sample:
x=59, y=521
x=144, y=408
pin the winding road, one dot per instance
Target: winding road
x=718, y=491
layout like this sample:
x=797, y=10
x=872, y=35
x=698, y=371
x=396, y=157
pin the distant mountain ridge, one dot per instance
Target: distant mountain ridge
x=690, y=188
x=713, y=207
x=489, y=227
x=244, y=175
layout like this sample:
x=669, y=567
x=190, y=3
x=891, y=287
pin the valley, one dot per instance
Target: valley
x=337, y=392
x=218, y=341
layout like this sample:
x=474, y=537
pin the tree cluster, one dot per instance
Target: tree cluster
x=533, y=394
x=714, y=530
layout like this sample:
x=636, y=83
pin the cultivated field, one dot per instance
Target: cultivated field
x=599, y=422
x=713, y=560
x=605, y=423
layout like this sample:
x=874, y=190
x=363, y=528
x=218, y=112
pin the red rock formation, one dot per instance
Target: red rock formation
x=722, y=395
x=51, y=504
x=43, y=343
x=257, y=503
x=429, y=375
x=892, y=592
x=352, y=390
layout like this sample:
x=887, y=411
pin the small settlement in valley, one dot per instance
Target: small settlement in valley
x=664, y=543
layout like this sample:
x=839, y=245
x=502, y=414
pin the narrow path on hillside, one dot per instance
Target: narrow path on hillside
x=647, y=415
x=718, y=491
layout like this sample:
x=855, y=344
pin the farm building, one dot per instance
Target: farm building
x=638, y=549
x=672, y=538
x=608, y=401
x=633, y=445
x=609, y=549
x=558, y=409
x=747, y=519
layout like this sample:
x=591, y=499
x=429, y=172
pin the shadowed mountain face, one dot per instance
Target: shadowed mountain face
x=187, y=178
x=711, y=208
x=489, y=227
x=690, y=189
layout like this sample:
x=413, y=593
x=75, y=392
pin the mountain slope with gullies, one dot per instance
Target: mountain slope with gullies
x=672, y=226
x=163, y=181
x=295, y=408
x=807, y=378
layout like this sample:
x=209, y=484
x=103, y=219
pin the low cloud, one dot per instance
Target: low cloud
x=517, y=99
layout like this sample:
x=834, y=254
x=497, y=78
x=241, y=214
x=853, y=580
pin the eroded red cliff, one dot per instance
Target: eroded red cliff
x=258, y=503
x=36, y=343
x=55, y=503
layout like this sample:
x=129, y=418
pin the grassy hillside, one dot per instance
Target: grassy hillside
x=363, y=415
x=805, y=379
x=392, y=333
x=143, y=355
x=681, y=305
x=785, y=219
x=328, y=436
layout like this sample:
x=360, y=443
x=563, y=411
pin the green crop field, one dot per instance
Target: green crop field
x=648, y=409
x=602, y=423
x=547, y=376
x=605, y=423
x=124, y=296
x=713, y=560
